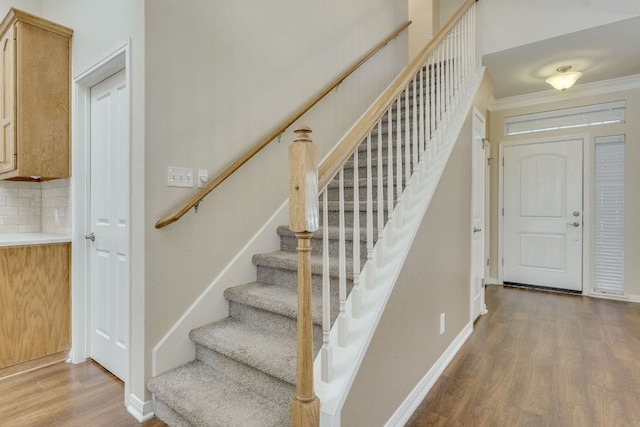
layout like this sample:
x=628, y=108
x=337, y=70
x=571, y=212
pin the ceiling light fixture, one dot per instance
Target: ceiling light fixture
x=565, y=78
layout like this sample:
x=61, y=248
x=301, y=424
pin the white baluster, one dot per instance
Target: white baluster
x=449, y=99
x=343, y=331
x=398, y=211
x=415, y=123
x=434, y=106
x=473, y=35
x=465, y=55
x=407, y=148
x=380, y=246
x=356, y=292
x=370, y=262
x=421, y=125
x=390, y=177
x=440, y=90
x=427, y=106
x=459, y=58
x=326, y=353
x=454, y=62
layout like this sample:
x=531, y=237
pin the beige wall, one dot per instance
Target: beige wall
x=421, y=15
x=443, y=11
x=427, y=17
x=632, y=190
x=433, y=280
x=31, y=6
x=220, y=76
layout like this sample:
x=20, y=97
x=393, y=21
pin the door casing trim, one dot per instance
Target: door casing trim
x=479, y=117
x=586, y=201
x=117, y=59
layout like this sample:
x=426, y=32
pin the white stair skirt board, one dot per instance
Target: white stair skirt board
x=347, y=360
x=175, y=348
x=141, y=411
x=411, y=403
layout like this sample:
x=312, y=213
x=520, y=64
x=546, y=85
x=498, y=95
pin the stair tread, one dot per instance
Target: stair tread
x=276, y=299
x=334, y=233
x=206, y=396
x=288, y=260
x=272, y=353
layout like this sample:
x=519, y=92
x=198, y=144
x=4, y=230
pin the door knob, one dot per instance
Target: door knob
x=477, y=230
x=91, y=236
x=575, y=224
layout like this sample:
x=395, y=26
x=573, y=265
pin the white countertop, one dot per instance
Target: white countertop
x=23, y=239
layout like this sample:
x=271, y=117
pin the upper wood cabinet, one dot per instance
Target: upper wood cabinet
x=35, y=87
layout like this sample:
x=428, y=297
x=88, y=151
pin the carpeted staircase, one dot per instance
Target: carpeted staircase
x=245, y=367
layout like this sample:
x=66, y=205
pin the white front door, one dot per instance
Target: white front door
x=478, y=176
x=543, y=214
x=109, y=260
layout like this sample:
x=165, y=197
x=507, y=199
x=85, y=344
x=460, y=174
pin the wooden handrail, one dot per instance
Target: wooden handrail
x=339, y=156
x=203, y=192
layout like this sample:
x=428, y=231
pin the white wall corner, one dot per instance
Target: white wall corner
x=411, y=403
x=141, y=410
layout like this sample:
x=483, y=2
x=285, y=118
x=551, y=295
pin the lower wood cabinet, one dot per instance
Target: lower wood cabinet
x=35, y=303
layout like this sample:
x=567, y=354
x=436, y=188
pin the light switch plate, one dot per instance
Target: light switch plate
x=179, y=177
x=203, y=177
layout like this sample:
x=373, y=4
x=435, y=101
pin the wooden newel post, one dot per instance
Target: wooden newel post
x=304, y=220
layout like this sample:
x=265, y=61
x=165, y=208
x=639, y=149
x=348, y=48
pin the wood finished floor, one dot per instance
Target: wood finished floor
x=542, y=359
x=83, y=395
x=536, y=359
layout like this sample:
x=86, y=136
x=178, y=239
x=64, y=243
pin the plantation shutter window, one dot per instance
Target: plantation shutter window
x=609, y=215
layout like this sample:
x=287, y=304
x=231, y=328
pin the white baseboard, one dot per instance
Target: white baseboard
x=625, y=298
x=411, y=403
x=492, y=281
x=142, y=411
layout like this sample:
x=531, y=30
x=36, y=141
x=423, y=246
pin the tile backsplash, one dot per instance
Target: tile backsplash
x=33, y=207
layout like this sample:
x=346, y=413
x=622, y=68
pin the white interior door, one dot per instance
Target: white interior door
x=109, y=260
x=543, y=214
x=478, y=173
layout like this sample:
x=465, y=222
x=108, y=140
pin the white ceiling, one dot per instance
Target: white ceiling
x=602, y=53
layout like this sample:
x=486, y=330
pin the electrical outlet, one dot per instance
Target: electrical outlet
x=442, y=324
x=179, y=177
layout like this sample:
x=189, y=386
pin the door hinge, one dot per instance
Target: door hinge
x=487, y=262
x=503, y=262
x=502, y=211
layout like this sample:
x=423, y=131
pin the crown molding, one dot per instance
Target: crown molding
x=550, y=96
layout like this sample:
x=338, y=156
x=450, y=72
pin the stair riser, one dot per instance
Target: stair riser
x=290, y=243
x=287, y=278
x=272, y=388
x=334, y=193
x=168, y=415
x=287, y=326
x=334, y=217
x=362, y=153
